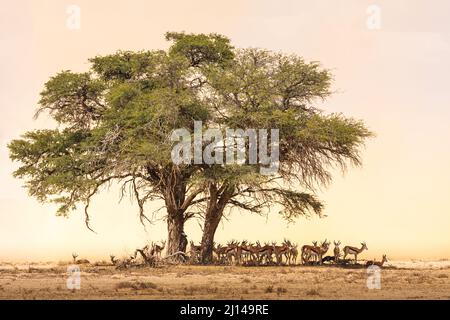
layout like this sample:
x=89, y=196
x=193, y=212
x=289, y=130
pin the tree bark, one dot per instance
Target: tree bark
x=175, y=195
x=175, y=228
x=212, y=220
x=214, y=212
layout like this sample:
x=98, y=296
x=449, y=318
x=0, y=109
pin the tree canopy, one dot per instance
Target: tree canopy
x=115, y=123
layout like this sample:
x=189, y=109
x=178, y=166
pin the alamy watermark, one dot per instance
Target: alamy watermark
x=238, y=146
x=73, y=281
x=373, y=277
x=73, y=21
x=373, y=21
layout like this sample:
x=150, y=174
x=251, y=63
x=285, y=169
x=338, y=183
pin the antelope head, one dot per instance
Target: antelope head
x=337, y=244
x=325, y=244
x=74, y=256
x=314, y=243
x=364, y=246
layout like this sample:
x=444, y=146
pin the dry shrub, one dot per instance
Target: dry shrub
x=269, y=289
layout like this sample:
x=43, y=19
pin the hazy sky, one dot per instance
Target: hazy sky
x=395, y=78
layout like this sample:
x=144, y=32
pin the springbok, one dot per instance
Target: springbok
x=308, y=253
x=355, y=251
x=158, y=249
x=221, y=252
x=266, y=252
x=244, y=252
x=195, y=252
x=377, y=263
x=122, y=263
x=79, y=261
x=113, y=259
x=146, y=254
x=254, y=252
x=279, y=251
x=320, y=251
x=293, y=253
x=336, y=251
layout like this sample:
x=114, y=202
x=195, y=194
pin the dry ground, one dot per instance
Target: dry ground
x=222, y=282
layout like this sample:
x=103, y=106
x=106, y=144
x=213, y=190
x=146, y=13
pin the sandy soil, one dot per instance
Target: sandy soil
x=48, y=281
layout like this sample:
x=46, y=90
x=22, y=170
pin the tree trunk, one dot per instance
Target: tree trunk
x=218, y=199
x=212, y=220
x=175, y=195
x=176, y=238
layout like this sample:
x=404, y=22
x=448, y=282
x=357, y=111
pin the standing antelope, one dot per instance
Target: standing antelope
x=221, y=252
x=308, y=253
x=355, y=251
x=266, y=252
x=293, y=254
x=195, y=252
x=279, y=251
x=336, y=251
x=245, y=252
x=377, y=263
x=146, y=254
x=158, y=249
x=320, y=251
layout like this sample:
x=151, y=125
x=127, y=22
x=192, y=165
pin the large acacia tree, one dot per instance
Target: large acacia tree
x=115, y=122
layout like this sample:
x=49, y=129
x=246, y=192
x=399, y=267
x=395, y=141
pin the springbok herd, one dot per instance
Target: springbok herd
x=245, y=253
x=249, y=254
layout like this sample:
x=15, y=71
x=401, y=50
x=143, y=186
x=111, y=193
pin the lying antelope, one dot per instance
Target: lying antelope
x=377, y=263
x=355, y=251
x=122, y=263
x=79, y=261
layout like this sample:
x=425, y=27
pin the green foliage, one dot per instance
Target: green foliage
x=201, y=48
x=116, y=120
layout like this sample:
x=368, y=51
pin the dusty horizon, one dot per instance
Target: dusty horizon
x=394, y=78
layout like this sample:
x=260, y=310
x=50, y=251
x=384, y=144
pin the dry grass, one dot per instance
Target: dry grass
x=138, y=285
x=218, y=282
